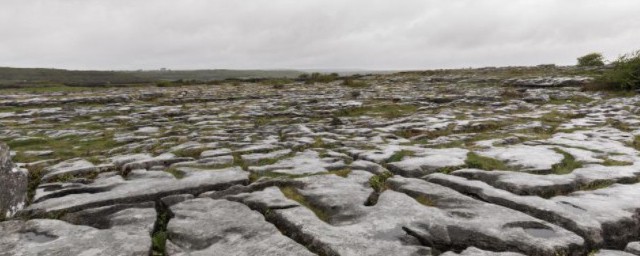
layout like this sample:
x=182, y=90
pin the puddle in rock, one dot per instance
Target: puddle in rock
x=38, y=238
x=540, y=232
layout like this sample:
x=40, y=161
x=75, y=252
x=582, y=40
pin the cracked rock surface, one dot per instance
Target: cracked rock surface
x=473, y=162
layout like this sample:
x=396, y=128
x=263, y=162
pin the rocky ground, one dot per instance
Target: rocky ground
x=405, y=164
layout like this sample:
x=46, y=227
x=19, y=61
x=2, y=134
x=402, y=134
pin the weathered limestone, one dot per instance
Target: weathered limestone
x=13, y=185
x=205, y=226
x=633, y=248
x=55, y=237
x=328, y=169
x=115, y=189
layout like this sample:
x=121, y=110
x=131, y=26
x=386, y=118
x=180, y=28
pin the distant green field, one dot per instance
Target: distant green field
x=41, y=77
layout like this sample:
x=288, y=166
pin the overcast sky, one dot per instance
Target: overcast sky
x=304, y=34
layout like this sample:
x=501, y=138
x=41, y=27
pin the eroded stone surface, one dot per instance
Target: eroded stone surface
x=555, y=169
x=54, y=237
x=13, y=188
x=206, y=227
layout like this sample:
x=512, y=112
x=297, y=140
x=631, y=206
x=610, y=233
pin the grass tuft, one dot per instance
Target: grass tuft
x=567, y=165
x=484, y=163
x=398, y=156
x=293, y=194
x=378, y=182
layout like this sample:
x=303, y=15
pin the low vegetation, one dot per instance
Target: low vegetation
x=378, y=182
x=567, y=165
x=318, y=78
x=293, y=194
x=484, y=163
x=353, y=83
x=624, y=74
x=398, y=156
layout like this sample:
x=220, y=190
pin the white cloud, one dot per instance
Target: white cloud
x=373, y=34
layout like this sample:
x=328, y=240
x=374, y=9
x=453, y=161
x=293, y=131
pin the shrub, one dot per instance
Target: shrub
x=318, y=78
x=625, y=74
x=354, y=83
x=591, y=60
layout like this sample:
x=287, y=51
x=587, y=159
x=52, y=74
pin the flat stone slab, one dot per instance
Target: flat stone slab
x=55, y=237
x=143, y=188
x=306, y=162
x=429, y=162
x=526, y=158
x=602, y=216
x=205, y=226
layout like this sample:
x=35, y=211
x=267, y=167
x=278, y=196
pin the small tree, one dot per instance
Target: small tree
x=591, y=60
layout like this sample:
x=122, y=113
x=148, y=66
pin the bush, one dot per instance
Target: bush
x=354, y=83
x=318, y=78
x=625, y=74
x=591, y=60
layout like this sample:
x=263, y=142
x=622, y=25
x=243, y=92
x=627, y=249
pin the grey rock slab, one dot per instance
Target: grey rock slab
x=207, y=162
x=206, y=226
x=377, y=234
x=523, y=183
x=553, y=184
x=55, y=237
x=428, y=162
x=605, y=139
x=306, y=162
x=256, y=158
x=13, y=185
x=215, y=152
x=175, y=199
x=604, y=217
x=448, y=219
x=527, y=158
x=633, y=248
x=616, y=206
x=368, y=166
x=38, y=152
x=548, y=81
x=121, y=160
x=473, y=251
x=74, y=167
x=138, y=190
x=342, y=199
x=259, y=148
x=166, y=159
x=611, y=253
x=138, y=217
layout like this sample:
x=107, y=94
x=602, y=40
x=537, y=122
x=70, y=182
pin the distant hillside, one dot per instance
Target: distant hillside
x=215, y=74
x=34, y=76
x=24, y=77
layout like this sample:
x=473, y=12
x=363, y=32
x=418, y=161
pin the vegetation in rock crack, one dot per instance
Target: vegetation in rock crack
x=567, y=165
x=293, y=194
x=378, y=182
x=484, y=163
x=398, y=156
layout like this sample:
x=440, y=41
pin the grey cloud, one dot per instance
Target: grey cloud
x=371, y=34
